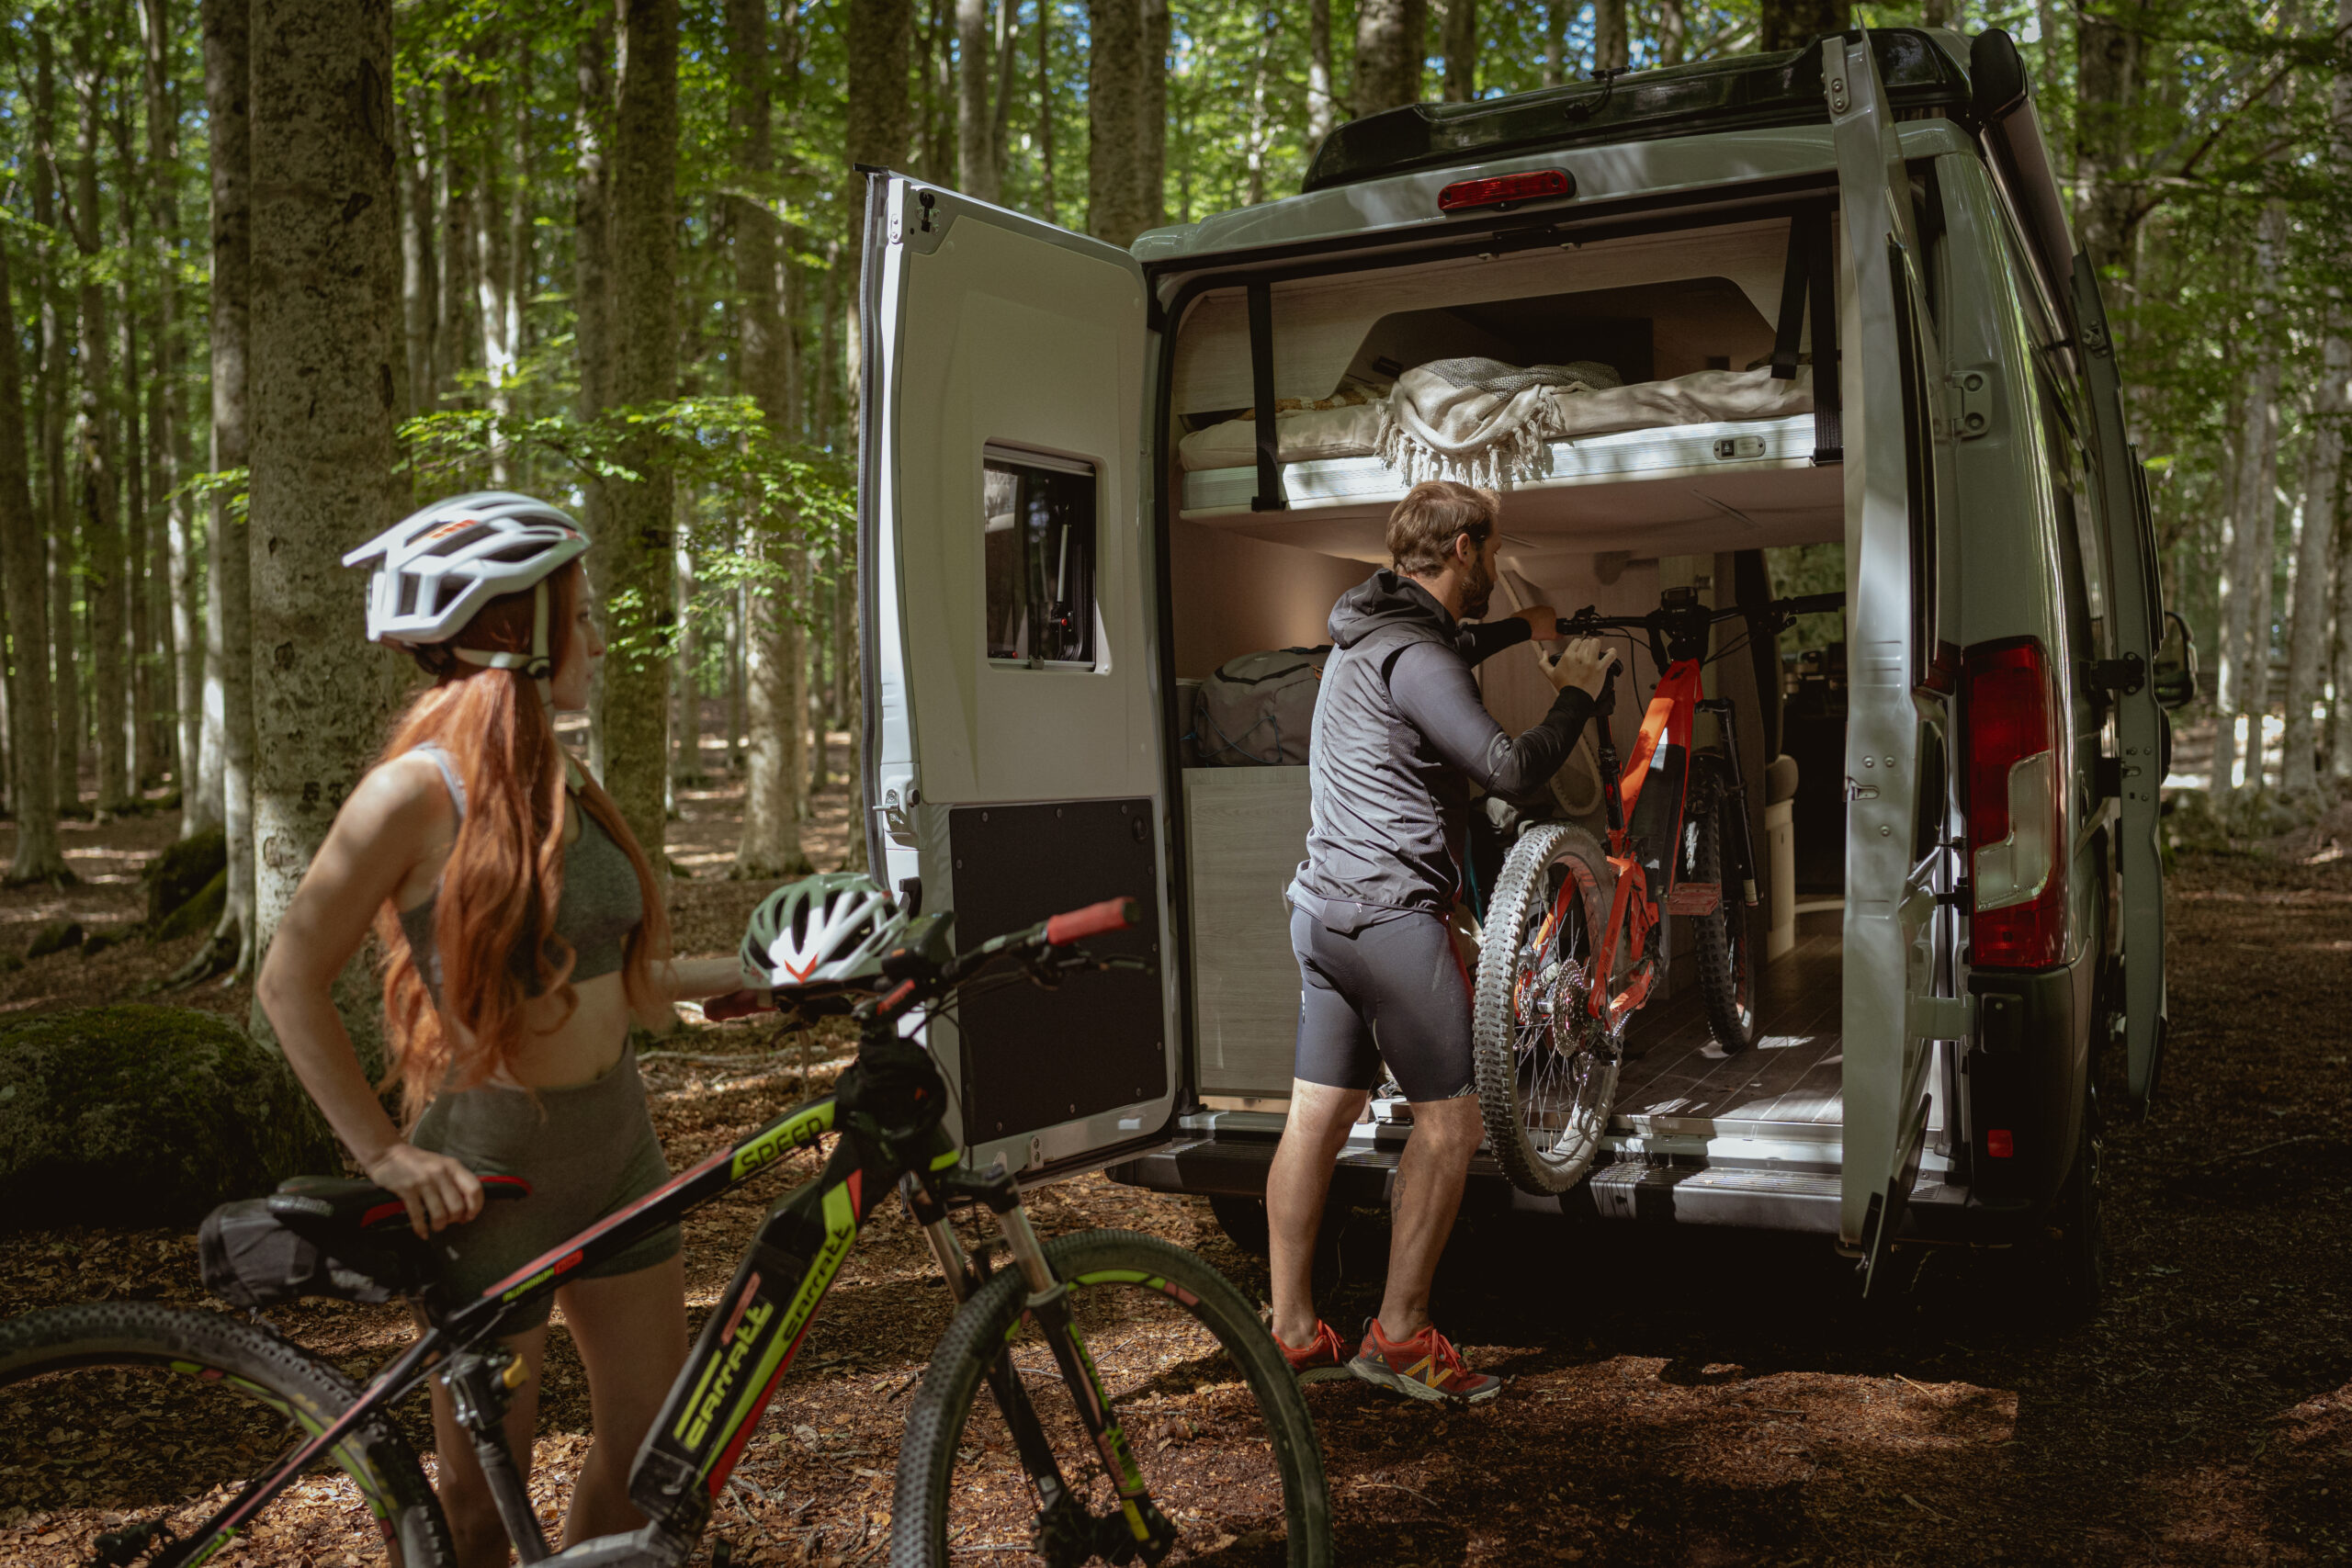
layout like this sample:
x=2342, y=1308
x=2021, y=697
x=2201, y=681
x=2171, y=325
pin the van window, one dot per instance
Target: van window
x=1039, y=532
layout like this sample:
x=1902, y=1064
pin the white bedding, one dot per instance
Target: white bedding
x=1704, y=397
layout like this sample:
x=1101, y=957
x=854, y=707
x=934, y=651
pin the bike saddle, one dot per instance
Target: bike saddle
x=329, y=1210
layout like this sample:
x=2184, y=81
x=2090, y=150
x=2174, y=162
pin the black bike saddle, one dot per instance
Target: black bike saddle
x=331, y=1209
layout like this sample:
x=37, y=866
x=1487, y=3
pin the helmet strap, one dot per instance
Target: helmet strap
x=536, y=666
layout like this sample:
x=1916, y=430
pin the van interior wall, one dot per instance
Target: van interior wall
x=1231, y=594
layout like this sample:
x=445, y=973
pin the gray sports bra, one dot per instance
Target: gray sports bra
x=600, y=906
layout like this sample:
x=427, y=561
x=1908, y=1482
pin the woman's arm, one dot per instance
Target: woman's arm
x=692, y=979
x=383, y=833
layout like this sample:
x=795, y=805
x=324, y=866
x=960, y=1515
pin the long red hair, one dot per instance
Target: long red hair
x=494, y=921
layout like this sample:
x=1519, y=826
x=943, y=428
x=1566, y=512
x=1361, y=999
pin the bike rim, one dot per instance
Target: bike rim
x=1564, y=1061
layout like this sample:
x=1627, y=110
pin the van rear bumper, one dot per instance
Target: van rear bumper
x=1746, y=1198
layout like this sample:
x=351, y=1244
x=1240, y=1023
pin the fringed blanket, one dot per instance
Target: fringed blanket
x=1480, y=421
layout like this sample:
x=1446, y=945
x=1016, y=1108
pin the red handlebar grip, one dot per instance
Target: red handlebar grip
x=734, y=1004
x=1111, y=915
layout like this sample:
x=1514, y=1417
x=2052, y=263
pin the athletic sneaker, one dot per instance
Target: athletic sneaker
x=1322, y=1359
x=1427, y=1366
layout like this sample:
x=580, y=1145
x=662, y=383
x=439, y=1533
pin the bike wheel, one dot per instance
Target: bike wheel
x=1209, y=1409
x=129, y=1418
x=1724, y=944
x=1547, y=1070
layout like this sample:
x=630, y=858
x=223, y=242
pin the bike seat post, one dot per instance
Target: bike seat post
x=482, y=1385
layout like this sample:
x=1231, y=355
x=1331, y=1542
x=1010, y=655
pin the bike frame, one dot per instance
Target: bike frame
x=744, y=1349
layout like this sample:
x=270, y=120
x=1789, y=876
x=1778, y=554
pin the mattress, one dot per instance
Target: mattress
x=1721, y=447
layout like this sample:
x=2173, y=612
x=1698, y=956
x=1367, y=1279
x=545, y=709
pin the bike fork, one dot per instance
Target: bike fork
x=1735, y=796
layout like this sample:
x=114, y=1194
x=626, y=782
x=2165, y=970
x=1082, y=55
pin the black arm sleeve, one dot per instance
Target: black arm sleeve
x=1484, y=639
x=1433, y=689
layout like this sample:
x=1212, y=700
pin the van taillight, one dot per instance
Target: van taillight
x=1504, y=189
x=2016, y=839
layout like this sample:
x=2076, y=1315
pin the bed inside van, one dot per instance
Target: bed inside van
x=1692, y=455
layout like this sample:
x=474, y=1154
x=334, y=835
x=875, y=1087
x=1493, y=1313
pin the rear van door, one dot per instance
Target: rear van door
x=1901, y=966
x=1013, y=732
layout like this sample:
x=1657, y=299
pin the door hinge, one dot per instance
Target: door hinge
x=2125, y=675
x=1973, y=401
x=1939, y=1018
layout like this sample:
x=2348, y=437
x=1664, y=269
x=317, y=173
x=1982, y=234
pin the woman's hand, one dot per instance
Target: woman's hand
x=1585, y=663
x=438, y=1191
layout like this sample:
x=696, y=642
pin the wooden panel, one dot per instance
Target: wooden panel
x=1246, y=833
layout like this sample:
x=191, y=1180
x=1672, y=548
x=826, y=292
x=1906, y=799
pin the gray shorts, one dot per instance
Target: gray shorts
x=1392, y=991
x=586, y=1150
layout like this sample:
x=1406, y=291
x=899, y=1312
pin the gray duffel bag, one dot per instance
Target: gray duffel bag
x=1257, y=710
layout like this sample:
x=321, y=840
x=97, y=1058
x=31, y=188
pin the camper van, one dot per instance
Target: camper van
x=1824, y=298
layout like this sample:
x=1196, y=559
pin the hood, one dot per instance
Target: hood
x=1385, y=598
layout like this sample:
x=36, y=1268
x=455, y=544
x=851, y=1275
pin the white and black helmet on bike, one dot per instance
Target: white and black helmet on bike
x=822, y=929
x=436, y=570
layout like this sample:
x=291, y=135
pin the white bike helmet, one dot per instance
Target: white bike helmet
x=436, y=568
x=822, y=929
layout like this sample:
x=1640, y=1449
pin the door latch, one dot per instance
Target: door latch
x=1973, y=400
x=2124, y=676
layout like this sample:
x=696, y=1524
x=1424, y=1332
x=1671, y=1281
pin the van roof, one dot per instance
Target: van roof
x=1925, y=70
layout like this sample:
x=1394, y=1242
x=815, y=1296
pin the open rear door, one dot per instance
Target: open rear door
x=2138, y=621
x=1013, y=738
x=1902, y=984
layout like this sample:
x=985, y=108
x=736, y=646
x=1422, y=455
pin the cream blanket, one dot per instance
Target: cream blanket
x=1480, y=421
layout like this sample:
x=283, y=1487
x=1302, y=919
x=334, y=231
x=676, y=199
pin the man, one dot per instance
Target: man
x=1400, y=735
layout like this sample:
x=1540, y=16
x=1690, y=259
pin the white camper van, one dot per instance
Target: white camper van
x=1836, y=293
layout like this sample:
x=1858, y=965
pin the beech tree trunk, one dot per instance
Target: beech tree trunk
x=1322, y=108
x=639, y=584
x=1458, y=36
x=491, y=234
x=420, y=275
x=2307, y=628
x=1555, y=43
x=1611, y=44
x=976, y=166
x=459, y=333
x=775, y=644
x=1389, y=49
x=31, y=749
x=2251, y=547
x=103, y=582
x=228, y=640
x=1151, y=111
x=1116, y=159
x=141, y=756
x=1792, y=24
x=1045, y=111
x=2339, y=763
x=1673, y=31
x=2110, y=41
x=325, y=319
x=58, y=498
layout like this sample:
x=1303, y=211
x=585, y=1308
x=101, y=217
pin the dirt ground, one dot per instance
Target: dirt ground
x=1686, y=1398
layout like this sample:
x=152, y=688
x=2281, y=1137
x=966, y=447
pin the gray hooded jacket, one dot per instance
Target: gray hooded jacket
x=1401, y=736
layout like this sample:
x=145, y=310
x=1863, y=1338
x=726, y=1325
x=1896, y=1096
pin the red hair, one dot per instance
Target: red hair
x=494, y=921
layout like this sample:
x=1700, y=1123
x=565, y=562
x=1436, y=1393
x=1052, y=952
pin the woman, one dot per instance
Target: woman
x=524, y=932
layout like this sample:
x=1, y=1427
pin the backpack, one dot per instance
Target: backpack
x=1257, y=710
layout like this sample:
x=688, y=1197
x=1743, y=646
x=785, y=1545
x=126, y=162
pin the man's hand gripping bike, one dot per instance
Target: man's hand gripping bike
x=1044, y=1476
x=1572, y=945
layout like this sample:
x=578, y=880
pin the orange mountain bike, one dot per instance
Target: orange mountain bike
x=1572, y=944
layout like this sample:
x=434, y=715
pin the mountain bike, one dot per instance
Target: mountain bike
x=1571, y=944
x=125, y=1384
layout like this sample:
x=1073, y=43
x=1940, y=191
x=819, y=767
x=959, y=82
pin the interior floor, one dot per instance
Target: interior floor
x=1789, y=1085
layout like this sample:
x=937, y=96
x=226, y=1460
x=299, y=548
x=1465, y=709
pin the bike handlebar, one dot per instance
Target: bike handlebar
x=1095, y=919
x=1587, y=621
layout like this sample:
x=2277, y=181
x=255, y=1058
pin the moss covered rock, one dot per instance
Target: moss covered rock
x=145, y=1116
x=182, y=872
x=199, y=914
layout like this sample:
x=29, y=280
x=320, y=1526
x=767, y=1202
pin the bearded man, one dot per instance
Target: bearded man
x=1401, y=736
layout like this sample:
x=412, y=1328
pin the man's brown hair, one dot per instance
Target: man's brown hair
x=1434, y=514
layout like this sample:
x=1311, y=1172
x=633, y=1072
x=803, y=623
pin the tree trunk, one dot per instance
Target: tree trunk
x=775, y=643
x=103, y=584
x=228, y=640
x=1457, y=28
x=1255, y=144
x=1007, y=44
x=639, y=584
x=2246, y=583
x=2109, y=44
x=1555, y=43
x=1674, y=32
x=136, y=450
x=1612, y=45
x=2339, y=765
x=458, y=333
x=325, y=318
x=1322, y=108
x=490, y=233
x=976, y=170
x=1115, y=158
x=1794, y=24
x=1045, y=111
x=420, y=276
x=1151, y=112
x=685, y=725
x=1388, y=54
x=31, y=749
x=2307, y=630
x=57, y=498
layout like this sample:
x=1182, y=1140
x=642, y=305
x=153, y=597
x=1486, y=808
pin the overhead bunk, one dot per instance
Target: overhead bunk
x=1594, y=385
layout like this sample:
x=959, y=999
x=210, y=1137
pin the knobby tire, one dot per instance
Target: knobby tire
x=1723, y=943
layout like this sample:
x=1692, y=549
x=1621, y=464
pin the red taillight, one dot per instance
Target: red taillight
x=1998, y=1144
x=2016, y=804
x=1504, y=189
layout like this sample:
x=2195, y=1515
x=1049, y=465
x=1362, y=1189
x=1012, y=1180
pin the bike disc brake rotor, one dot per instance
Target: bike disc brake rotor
x=1566, y=1057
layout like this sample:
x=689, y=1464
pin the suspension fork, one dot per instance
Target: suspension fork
x=1604, y=746
x=1736, y=798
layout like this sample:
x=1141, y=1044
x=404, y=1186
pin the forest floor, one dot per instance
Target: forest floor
x=1674, y=1397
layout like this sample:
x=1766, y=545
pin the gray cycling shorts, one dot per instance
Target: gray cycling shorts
x=1393, y=991
x=587, y=1151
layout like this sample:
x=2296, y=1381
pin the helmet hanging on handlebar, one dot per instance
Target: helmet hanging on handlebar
x=822, y=929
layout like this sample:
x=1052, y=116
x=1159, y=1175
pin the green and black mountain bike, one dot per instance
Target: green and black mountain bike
x=181, y=1429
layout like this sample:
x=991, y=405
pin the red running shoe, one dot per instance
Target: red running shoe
x=1427, y=1366
x=1323, y=1358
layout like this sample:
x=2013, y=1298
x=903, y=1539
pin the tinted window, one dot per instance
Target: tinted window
x=1039, y=534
